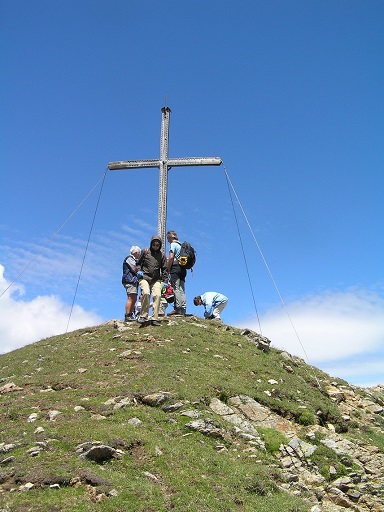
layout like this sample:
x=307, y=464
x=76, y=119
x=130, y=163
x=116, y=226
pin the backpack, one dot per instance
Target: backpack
x=187, y=256
x=169, y=295
x=128, y=276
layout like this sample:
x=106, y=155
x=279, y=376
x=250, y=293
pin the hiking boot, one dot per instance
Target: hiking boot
x=174, y=312
x=156, y=323
x=142, y=320
x=129, y=318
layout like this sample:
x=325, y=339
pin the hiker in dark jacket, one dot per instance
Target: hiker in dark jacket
x=153, y=271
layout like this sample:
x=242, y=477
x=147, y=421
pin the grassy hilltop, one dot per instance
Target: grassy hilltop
x=123, y=418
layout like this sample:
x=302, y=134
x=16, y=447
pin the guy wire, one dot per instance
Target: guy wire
x=86, y=249
x=52, y=237
x=242, y=248
x=271, y=276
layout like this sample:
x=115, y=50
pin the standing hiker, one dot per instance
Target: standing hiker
x=153, y=271
x=177, y=274
x=130, y=282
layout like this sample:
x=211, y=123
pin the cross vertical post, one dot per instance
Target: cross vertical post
x=163, y=183
x=164, y=164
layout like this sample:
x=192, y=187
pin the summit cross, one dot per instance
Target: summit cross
x=164, y=164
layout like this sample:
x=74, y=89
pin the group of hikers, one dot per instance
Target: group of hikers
x=153, y=272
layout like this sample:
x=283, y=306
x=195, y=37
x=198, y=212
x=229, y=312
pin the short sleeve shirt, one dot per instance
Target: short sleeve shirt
x=175, y=248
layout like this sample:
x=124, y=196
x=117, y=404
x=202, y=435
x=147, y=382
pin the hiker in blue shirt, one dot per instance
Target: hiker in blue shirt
x=213, y=303
x=177, y=275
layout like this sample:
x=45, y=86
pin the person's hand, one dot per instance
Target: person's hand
x=140, y=274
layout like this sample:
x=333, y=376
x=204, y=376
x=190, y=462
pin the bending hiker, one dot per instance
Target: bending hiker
x=213, y=303
x=153, y=270
x=177, y=274
x=130, y=282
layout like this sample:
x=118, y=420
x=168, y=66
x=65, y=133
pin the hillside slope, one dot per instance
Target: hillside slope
x=190, y=416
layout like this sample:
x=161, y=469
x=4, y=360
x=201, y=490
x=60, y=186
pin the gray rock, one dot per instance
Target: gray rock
x=100, y=453
x=302, y=448
x=156, y=399
x=191, y=414
x=134, y=421
x=172, y=407
x=205, y=427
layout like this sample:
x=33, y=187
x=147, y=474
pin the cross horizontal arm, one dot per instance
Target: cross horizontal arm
x=171, y=162
x=179, y=162
x=133, y=164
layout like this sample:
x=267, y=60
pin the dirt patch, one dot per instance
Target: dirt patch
x=12, y=479
x=91, y=479
x=138, y=452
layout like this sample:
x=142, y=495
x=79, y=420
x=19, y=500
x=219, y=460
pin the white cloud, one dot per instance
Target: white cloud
x=23, y=322
x=40, y=307
x=364, y=372
x=56, y=266
x=339, y=332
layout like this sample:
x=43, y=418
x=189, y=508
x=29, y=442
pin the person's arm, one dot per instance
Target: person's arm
x=140, y=262
x=132, y=265
x=170, y=260
x=140, y=259
x=208, y=306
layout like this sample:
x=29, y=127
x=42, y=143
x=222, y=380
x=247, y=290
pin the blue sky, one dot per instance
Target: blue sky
x=289, y=94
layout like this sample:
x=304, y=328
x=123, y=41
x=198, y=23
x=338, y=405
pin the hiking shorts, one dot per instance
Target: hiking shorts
x=131, y=288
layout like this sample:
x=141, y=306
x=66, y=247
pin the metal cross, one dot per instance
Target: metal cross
x=164, y=163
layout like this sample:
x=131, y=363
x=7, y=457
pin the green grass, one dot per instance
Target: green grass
x=272, y=439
